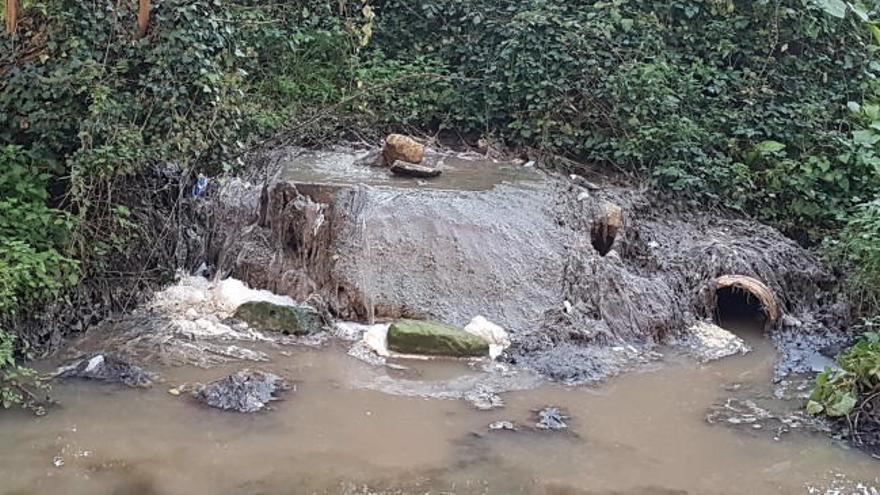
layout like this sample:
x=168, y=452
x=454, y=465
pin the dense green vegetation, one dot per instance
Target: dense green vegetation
x=767, y=107
x=838, y=392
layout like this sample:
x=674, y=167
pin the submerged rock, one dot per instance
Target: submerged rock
x=709, y=342
x=269, y=317
x=404, y=169
x=551, y=418
x=434, y=339
x=110, y=368
x=244, y=391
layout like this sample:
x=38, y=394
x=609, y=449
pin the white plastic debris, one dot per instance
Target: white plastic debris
x=493, y=334
x=376, y=338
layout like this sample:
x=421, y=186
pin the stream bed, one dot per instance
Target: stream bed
x=644, y=432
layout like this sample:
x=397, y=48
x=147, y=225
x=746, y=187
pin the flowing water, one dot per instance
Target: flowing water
x=639, y=433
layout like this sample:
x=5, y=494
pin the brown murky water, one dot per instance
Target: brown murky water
x=459, y=173
x=640, y=433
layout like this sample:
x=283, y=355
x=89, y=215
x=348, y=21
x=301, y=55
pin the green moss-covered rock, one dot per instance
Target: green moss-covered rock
x=288, y=320
x=434, y=339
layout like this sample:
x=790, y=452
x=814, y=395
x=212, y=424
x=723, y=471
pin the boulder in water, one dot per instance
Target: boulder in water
x=400, y=147
x=404, y=169
x=434, y=339
x=269, y=317
x=107, y=368
x=244, y=391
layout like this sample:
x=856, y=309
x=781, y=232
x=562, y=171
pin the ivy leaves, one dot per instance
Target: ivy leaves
x=687, y=92
x=837, y=8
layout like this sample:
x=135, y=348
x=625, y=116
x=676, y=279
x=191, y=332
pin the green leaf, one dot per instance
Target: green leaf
x=769, y=146
x=843, y=404
x=860, y=11
x=837, y=8
x=875, y=31
x=865, y=137
x=814, y=407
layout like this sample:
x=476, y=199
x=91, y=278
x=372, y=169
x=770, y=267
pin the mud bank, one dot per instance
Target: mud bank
x=588, y=275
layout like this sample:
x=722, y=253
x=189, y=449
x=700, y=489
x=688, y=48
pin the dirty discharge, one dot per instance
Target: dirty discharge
x=588, y=277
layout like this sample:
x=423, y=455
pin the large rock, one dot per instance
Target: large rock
x=434, y=339
x=400, y=147
x=269, y=317
x=244, y=391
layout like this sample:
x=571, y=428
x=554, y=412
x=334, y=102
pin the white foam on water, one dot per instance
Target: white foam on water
x=197, y=306
x=198, y=295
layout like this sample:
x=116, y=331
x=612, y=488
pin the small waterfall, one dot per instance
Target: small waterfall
x=368, y=202
x=366, y=272
x=365, y=266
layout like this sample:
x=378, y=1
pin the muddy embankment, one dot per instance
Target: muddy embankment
x=588, y=274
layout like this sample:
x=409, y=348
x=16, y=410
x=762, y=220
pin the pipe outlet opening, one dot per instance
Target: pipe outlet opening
x=744, y=305
x=605, y=229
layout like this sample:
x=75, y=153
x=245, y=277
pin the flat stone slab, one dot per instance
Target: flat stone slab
x=708, y=342
x=405, y=169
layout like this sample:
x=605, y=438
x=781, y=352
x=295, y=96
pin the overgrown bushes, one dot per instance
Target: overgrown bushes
x=687, y=92
x=33, y=266
x=762, y=106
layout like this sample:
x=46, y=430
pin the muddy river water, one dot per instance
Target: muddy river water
x=644, y=432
